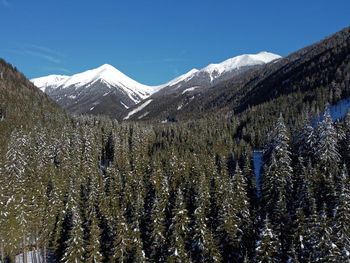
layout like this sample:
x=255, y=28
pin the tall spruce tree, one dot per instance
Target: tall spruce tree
x=75, y=245
x=341, y=226
x=268, y=246
x=180, y=231
x=328, y=159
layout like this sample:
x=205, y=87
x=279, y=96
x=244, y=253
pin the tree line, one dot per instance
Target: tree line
x=94, y=190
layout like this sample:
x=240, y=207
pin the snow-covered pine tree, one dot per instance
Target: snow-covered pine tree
x=277, y=176
x=75, y=245
x=277, y=186
x=93, y=248
x=235, y=216
x=324, y=250
x=301, y=189
x=305, y=141
x=16, y=211
x=268, y=248
x=205, y=245
x=300, y=232
x=122, y=238
x=341, y=226
x=136, y=246
x=328, y=159
x=180, y=230
x=158, y=215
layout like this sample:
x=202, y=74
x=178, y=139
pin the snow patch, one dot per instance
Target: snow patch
x=186, y=76
x=92, y=108
x=143, y=115
x=337, y=111
x=139, y=108
x=125, y=106
x=190, y=89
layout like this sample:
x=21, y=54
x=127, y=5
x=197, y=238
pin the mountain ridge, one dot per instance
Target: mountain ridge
x=306, y=69
x=76, y=90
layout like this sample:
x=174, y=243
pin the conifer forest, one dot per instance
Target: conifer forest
x=84, y=188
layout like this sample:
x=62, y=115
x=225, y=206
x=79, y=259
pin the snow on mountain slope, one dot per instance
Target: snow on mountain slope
x=115, y=93
x=113, y=77
x=214, y=73
x=238, y=62
x=105, y=73
x=44, y=82
x=183, y=77
x=143, y=105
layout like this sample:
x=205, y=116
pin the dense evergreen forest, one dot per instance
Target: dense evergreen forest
x=91, y=189
x=94, y=190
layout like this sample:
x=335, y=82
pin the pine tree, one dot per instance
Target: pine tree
x=75, y=249
x=324, y=249
x=235, y=216
x=306, y=140
x=93, y=248
x=328, y=159
x=122, y=239
x=205, y=244
x=158, y=217
x=276, y=187
x=277, y=177
x=299, y=235
x=342, y=218
x=268, y=246
x=180, y=230
x=138, y=253
x=16, y=209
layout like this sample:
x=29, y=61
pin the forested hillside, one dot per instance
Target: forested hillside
x=324, y=64
x=91, y=189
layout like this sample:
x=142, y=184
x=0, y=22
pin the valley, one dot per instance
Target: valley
x=222, y=164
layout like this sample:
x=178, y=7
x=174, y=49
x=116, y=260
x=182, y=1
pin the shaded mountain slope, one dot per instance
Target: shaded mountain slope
x=22, y=104
x=323, y=64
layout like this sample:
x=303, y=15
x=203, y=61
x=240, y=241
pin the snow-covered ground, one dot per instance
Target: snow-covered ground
x=339, y=110
x=31, y=257
x=257, y=159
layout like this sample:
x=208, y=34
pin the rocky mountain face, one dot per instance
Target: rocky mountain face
x=323, y=64
x=105, y=90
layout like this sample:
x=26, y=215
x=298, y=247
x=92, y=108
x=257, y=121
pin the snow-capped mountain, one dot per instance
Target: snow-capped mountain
x=215, y=73
x=106, y=90
x=180, y=92
x=106, y=74
x=236, y=63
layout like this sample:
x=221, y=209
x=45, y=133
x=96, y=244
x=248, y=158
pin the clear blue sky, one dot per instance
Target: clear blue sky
x=153, y=41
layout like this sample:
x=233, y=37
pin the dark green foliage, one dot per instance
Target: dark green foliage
x=89, y=189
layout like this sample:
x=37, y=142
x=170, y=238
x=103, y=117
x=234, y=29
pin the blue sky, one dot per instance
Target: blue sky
x=153, y=41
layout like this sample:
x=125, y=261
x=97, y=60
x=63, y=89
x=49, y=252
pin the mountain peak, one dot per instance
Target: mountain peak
x=106, y=67
x=238, y=62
